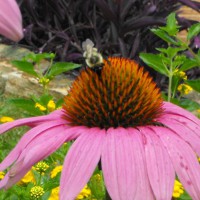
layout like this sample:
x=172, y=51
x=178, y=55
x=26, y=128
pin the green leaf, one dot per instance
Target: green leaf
x=25, y=67
x=32, y=57
x=27, y=105
x=193, y=31
x=154, y=61
x=195, y=84
x=171, y=27
x=189, y=104
x=171, y=51
x=188, y=64
x=163, y=35
x=61, y=67
x=43, y=100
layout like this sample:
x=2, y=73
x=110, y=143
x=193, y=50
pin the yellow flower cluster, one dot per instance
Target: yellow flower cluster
x=178, y=189
x=181, y=74
x=51, y=106
x=44, y=81
x=85, y=192
x=56, y=170
x=36, y=192
x=41, y=167
x=54, y=194
x=40, y=107
x=184, y=89
x=5, y=119
x=29, y=177
x=2, y=174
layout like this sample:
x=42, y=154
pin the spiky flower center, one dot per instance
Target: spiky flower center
x=122, y=95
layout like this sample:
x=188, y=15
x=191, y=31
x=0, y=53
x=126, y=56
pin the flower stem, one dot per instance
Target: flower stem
x=170, y=82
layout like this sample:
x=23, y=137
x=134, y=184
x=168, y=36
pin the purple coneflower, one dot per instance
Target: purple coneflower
x=116, y=118
x=10, y=20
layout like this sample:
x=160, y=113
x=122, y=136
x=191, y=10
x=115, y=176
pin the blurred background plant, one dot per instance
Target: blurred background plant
x=118, y=28
x=31, y=64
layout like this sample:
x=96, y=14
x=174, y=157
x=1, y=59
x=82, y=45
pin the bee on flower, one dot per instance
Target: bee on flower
x=92, y=57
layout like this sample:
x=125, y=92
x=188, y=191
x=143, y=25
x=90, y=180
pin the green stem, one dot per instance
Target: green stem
x=170, y=82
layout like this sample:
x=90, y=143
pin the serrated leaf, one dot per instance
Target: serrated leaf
x=188, y=64
x=195, y=84
x=193, y=31
x=164, y=36
x=154, y=61
x=171, y=51
x=25, y=67
x=60, y=67
x=171, y=27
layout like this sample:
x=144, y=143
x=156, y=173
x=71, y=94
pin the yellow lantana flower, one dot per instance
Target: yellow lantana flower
x=85, y=192
x=178, y=189
x=2, y=174
x=54, y=194
x=6, y=119
x=184, y=89
x=51, y=105
x=56, y=170
x=40, y=107
x=181, y=74
x=29, y=177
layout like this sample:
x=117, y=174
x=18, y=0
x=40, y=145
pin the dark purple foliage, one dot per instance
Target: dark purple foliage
x=117, y=27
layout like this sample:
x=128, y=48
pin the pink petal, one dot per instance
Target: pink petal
x=184, y=121
x=143, y=191
x=118, y=164
x=26, y=139
x=183, y=131
x=10, y=20
x=178, y=111
x=80, y=162
x=184, y=160
x=38, y=149
x=159, y=167
x=32, y=121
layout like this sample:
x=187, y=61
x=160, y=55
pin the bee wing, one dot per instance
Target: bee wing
x=87, y=44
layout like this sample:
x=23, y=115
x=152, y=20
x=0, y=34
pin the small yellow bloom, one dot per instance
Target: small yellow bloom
x=36, y=192
x=44, y=81
x=85, y=192
x=42, y=108
x=51, y=105
x=6, y=119
x=2, y=174
x=29, y=177
x=184, y=89
x=41, y=167
x=54, y=194
x=198, y=110
x=56, y=170
x=178, y=189
x=181, y=74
